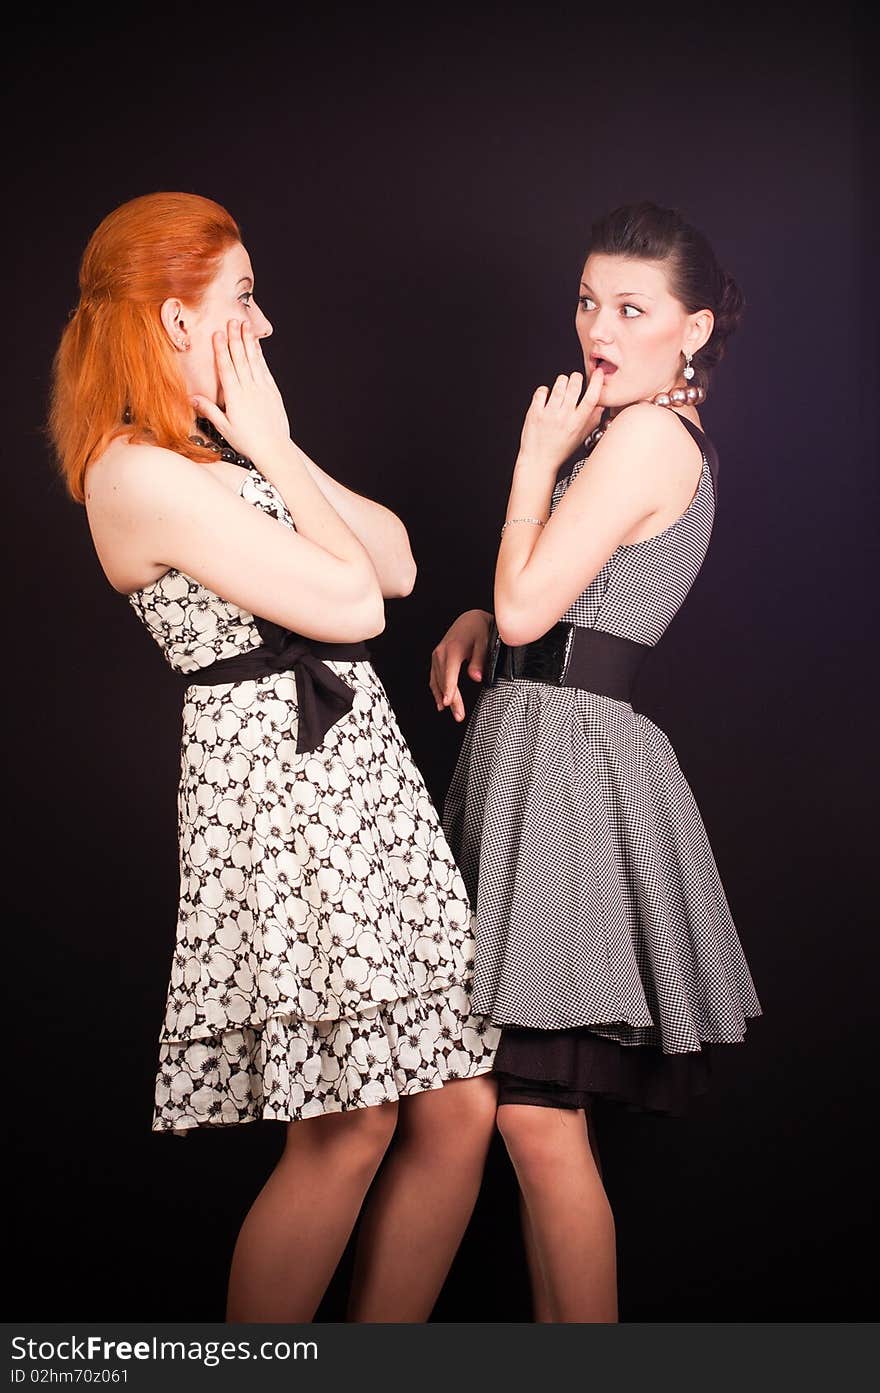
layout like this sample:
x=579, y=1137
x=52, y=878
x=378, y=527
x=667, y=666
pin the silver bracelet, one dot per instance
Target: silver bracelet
x=538, y=522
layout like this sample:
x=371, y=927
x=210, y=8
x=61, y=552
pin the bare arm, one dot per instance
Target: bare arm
x=315, y=499
x=151, y=509
x=255, y=422
x=626, y=481
x=380, y=531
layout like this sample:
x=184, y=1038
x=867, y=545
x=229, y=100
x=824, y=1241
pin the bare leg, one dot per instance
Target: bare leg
x=540, y=1295
x=543, y=1314
x=420, y=1204
x=572, y=1228
x=594, y=1145
x=296, y=1229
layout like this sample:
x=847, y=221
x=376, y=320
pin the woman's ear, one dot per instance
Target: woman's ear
x=698, y=331
x=172, y=316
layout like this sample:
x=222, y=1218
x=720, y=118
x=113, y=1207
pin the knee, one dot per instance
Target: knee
x=474, y=1103
x=452, y=1124
x=472, y=1119
x=528, y=1135
x=355, y=1140
x=373, y=1129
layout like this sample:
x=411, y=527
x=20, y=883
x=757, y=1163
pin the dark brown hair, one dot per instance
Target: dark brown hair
x=647, y=232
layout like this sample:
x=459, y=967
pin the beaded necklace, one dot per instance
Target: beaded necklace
x=211, y=439
x=679, y=396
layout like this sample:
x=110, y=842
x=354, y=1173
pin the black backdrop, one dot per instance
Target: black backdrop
x=414, y=189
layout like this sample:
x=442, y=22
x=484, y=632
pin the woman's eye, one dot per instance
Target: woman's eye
x=586, y=303
x=246, y=298
x=635, y=311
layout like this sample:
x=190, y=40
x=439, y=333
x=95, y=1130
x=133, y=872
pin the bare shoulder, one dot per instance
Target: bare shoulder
x=645, y=441
x=137, y=497
x=131, y=477
x=652, y=427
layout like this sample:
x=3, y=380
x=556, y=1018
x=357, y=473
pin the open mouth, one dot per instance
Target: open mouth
x=603, y=363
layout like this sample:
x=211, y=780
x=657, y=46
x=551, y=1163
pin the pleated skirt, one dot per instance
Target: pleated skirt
x=605, y=946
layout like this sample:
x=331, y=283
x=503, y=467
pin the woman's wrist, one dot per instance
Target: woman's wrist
x=280, y=457
x=530, y=496
x=528, y=521
x=535, y=464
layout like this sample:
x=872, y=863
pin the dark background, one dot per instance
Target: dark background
x=415, y=188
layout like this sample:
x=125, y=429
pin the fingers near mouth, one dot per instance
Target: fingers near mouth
x=602, y=365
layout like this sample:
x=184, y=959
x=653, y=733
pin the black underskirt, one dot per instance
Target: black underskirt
x=575, y=1068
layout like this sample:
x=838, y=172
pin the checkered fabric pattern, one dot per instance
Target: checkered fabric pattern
x=597, y=899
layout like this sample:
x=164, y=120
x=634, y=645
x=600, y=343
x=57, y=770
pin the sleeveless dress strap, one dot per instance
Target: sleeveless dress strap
x=710, y=454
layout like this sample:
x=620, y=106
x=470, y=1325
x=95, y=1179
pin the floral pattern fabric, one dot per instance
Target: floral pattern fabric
x=324, y=949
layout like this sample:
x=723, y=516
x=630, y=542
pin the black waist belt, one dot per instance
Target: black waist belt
x=322, y=697
x=569, y=656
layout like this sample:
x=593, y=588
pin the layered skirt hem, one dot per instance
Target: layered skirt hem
x=292, y=1069
x=576, y=1068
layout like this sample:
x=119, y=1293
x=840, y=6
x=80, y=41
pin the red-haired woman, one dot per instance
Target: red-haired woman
x=605, y=946
x=323, y=956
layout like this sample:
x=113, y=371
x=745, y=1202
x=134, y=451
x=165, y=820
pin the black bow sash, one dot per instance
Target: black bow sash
x=322, y=697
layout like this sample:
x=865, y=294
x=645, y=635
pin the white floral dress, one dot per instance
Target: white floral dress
x=324, y=947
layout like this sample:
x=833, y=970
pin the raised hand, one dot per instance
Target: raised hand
x=252, y=418
x=560, y=419
x=465, y=641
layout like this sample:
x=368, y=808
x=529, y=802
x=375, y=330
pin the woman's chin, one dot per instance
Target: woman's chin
x=616, y=399
x=612, y=396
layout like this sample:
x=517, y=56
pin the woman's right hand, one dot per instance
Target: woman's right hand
x=465, y=641
x=253, y=418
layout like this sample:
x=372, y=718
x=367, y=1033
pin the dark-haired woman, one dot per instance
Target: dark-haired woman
x=605, y=946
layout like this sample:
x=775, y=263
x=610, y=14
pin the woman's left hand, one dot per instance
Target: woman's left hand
x=560, y=419
x=465, y=641
x=253, y=418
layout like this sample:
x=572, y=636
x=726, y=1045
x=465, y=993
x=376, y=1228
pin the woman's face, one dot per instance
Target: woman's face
x=230, y=295
x=632, y=326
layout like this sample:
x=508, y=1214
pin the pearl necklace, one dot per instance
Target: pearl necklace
x=679, y=396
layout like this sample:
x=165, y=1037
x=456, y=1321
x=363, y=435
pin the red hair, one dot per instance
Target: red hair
x=115, y=371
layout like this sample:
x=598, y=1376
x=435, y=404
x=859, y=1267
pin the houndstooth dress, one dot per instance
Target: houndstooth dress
x=599, y=912
x=324, y=948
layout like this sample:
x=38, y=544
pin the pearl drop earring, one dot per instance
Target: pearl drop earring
x=688, y=371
